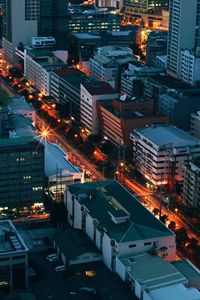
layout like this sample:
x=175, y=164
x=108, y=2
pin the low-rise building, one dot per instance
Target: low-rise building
x=116, y=222
x=191, y=184
x=43, y=42
x=75, y=247
x=93, y=91
x=13, y=258
x=159, y=153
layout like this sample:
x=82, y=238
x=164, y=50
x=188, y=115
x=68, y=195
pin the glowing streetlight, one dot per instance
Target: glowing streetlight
x=44, y=133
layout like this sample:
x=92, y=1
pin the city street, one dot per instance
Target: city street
x=144, y=195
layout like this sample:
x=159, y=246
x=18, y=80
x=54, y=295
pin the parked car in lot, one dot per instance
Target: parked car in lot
x=51, y=255
x=54, y=258
x=88, y=290
x=60, y=268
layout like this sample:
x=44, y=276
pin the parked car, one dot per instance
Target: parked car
x=54, y=258
x=88, y=290
x=51, y=255
x=60, y=268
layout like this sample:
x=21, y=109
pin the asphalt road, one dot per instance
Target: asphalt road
x=56, y=138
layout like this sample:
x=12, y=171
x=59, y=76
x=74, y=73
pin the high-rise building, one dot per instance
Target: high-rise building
x=22, y=171
x=184, y=33
x=24, y=19
x=52, y=21
x=20, y=24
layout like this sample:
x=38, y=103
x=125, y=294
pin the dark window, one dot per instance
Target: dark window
x=132, y=246
x=147, y=243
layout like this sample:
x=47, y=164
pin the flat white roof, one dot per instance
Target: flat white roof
x=151, y=271
x=163, y=135
x=175, y=292
x=56, y=158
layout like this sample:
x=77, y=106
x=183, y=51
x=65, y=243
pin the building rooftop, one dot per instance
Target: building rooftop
x=19, y=104
x=73, y=76
x=45, y=58
x=174, y=292
x=84, y=35
x=39, y=53
x=10, y=240
x=188, y=270
x=106, y=198
x=18, y=141
x=168, y=81
x=151, y=271
x=167, y=136
x=75, y=243
x=56, y=158
x=98, y=87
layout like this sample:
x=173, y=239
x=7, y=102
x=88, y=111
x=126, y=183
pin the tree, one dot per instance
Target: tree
x=172, y=225
x=164, y=218
x=155, y=211
x=20, y=46
x=192, y=243
x=181, y=236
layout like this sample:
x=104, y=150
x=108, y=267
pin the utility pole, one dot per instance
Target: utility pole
x=160, y=210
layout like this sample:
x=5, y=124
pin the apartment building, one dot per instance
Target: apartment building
x=38, y=67
x=191, y=184
x=91, y=92
x=159, y=153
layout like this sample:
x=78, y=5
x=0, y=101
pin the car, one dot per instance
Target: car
x=60, y=268
x=51, y=255
x=54, y=258
x=88, y=290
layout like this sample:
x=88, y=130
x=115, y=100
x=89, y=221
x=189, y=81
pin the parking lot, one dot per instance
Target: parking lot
x=67, y=284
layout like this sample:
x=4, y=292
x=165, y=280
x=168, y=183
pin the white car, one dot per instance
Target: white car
x=60, y=268
x=54, y=258
x=51, y=255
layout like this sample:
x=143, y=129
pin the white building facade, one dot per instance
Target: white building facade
x=109, y=224
x=190, y=67
x=184, y=32
x=159, y=153
x=90, y=93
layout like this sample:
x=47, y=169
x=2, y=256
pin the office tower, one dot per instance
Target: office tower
x=52, y=21
x=24, y=19
x=20, y=24
x=22, y=171
x=184, y=33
